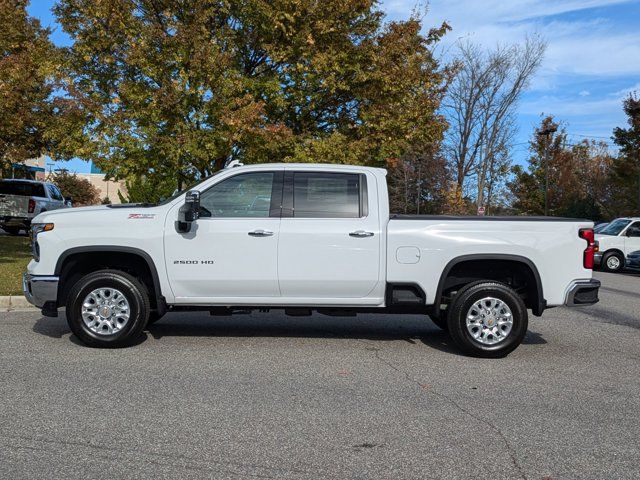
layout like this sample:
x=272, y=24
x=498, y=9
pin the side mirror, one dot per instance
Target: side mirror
x=68, y=201
x=189, y=212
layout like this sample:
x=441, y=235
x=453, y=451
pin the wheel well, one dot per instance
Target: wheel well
x=74, y=266
x=614, y=250
x=518, y=274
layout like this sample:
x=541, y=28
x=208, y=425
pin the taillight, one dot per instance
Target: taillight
x=32, y=205
x=589, y=236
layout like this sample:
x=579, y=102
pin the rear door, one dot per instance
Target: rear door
x=330, y=236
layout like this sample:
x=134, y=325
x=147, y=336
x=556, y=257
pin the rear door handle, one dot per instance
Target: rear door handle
x=361, y=234
x=261, y=233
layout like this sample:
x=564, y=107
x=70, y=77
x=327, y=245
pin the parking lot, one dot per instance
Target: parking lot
x=271, y=396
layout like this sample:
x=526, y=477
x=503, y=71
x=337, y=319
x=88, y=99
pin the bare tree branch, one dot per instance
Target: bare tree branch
x=480, y=108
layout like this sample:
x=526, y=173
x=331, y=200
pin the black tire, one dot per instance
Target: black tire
x=462, y=303
x=609, y=258
x=135, y=294
x=12, y=230
x=441, y=321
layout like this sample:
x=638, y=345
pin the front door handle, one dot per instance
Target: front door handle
x=361, y=234
x=261, y=233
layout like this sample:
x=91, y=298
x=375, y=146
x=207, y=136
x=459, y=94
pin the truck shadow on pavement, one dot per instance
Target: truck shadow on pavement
x=412, y=330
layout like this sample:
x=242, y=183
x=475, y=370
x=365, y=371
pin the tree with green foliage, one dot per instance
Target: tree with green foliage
x=27, y=60
x=174, y=90
x=80, y=190
x=625, y=177
x=147, y=189
x=578, y=174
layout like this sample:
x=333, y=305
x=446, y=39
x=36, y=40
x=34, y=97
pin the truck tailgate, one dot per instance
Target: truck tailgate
x=13, y=205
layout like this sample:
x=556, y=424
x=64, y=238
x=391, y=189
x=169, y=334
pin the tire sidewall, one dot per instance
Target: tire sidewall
x=458, y=326
x=107, y=280
x=606, y=259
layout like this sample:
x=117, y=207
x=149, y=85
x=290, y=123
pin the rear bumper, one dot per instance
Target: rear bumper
x=15, y=221
x=40, y=290
x=583, y=292
x=597, y=258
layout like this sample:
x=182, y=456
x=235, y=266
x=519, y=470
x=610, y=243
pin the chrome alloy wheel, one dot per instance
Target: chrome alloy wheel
x=105, y=311
x=613, y=263
x=489, y=320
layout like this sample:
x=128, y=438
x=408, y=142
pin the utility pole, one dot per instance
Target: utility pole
x=547, y=132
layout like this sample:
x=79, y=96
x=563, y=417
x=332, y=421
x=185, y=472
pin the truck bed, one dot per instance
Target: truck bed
x=419, y=245
x=511, y=218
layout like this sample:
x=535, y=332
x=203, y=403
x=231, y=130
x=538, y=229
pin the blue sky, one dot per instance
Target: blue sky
x=592, y=60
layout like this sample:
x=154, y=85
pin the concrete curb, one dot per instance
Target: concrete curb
x=15, y=302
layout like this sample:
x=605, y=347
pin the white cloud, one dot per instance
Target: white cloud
x=626, y=91
x=566, y=107
x=463, y=13
x=588, y=46
x=589, y=56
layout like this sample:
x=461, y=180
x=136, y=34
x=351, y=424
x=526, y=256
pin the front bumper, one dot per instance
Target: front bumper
x=583, y=292
x=632, y=263
x=40, y=290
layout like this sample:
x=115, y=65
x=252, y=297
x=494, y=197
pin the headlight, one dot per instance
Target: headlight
x=37, y=228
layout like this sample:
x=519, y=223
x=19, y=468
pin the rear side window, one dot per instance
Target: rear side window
x=55, y=193
x=22, y=188
x=327, y=195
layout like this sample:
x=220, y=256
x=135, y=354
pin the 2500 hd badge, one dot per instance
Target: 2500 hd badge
x=193, y=262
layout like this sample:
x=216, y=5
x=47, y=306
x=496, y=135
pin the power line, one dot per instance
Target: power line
x=587, y=136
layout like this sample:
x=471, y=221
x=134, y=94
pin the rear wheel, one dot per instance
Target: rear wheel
x=487, y=319
x=108, y=308
x=12, y=230
x=612, y=262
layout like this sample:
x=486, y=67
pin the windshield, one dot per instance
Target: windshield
x=177, y=193
x=22, y=188
x=615, y=227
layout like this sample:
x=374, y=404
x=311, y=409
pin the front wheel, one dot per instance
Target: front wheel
x=612, y=262
x=108, y=308
x=487, y=319
x=12, y=230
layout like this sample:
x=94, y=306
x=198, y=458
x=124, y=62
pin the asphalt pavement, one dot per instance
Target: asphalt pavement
x=367, y=397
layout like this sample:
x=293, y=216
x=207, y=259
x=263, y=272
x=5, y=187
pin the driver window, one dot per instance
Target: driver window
x=634, y=230
x=243, y=195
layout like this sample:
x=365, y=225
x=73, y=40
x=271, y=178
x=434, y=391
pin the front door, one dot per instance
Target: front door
x=632, y=238
x=231, y=250
x=330, y=237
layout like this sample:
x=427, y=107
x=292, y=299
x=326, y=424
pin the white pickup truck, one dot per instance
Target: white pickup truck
x=22, y=200
x=304, y=238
